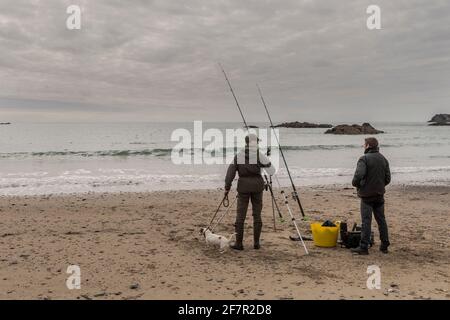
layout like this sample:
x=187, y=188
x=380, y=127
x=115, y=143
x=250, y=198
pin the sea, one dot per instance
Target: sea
x=62, y=158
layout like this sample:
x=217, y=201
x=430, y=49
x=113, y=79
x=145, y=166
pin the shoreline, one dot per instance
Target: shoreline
x=152, y=239
x=392, y=186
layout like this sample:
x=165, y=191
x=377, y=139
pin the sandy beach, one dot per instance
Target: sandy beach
x=147, y=246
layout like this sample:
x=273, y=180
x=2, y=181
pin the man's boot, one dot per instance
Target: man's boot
x=360, y=251
x=256, y=235
x=384, y=248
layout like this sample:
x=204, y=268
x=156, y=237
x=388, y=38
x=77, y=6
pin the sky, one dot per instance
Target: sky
x=158, y=60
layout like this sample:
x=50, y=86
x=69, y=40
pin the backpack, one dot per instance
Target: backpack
x=352, y=239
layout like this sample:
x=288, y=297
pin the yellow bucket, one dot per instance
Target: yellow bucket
x=325, y=236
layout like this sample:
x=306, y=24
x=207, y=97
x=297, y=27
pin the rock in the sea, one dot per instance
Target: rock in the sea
x=442, y=119
x=5, y=123
x=440, y=124
x=297, y=124
x=366, y=128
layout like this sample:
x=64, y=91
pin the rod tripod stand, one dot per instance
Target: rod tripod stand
x=274, y=202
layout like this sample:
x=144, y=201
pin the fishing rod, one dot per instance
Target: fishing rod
x=294, y=193
x=247, y=128
x=234, y=96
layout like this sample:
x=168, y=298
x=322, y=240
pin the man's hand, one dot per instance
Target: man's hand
x=226, y=193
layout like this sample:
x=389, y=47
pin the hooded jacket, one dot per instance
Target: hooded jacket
x=248, y=163
x=372, y=174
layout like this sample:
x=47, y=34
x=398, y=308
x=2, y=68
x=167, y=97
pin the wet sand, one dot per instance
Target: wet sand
x=147, y=246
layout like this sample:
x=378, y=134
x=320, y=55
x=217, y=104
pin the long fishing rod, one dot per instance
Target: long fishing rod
x=234, y=96
x=294, y=193
x=247, y=128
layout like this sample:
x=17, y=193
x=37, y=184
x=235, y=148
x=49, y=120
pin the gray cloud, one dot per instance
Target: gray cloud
x=157, y=60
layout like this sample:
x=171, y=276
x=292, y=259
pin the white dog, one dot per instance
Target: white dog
x=216, y=239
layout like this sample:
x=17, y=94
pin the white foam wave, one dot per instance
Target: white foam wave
x=118, y=179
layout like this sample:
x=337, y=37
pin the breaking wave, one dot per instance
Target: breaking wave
x=159, y=152
x=164, y=152
x=104, y=153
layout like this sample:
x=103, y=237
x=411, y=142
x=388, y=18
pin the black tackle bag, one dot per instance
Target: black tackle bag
x=352, y=239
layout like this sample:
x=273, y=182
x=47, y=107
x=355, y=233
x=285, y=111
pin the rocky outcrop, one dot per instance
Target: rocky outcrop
x=440, y=120
x=366, y=128
x=300, y=125
x=440, y=124
x=5, y=123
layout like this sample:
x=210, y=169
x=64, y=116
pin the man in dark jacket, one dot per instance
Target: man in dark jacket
x=248, y=164
x=371, y=176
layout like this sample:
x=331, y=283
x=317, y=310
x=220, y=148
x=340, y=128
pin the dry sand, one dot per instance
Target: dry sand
x=147, y=246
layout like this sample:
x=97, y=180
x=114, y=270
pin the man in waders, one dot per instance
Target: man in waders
x=371, y=176
x=248, y=163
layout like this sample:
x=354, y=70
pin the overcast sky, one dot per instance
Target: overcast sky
x=157, y=60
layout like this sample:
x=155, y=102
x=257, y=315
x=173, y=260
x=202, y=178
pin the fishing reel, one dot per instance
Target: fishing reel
x=267, y=183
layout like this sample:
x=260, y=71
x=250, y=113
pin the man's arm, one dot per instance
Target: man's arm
x=231, y=174
x=360, y=173
x=387, y=178
x=265, y=163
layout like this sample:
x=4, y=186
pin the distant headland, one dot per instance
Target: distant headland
x=442, y=119
x=300, y=125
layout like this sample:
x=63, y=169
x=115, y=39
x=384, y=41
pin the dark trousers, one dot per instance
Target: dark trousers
x=377, y=207
x=242, y=206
